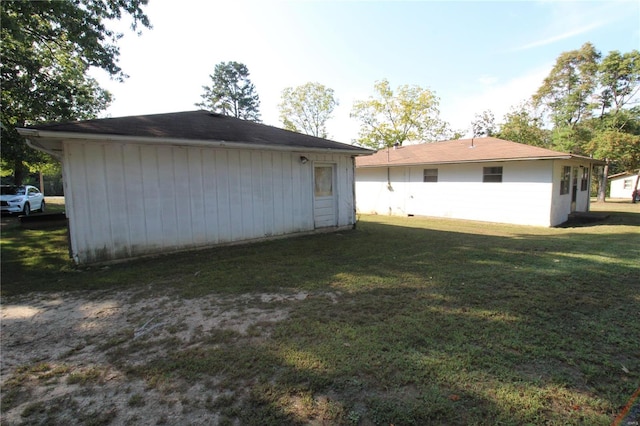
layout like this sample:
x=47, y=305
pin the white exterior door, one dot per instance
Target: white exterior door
x=324, y=196
x=574, y=188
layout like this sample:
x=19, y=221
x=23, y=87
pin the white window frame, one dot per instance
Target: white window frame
x=429, y=176
x=492, y=174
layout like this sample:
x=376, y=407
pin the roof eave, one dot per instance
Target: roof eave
x=31, y=134
x=492, y=160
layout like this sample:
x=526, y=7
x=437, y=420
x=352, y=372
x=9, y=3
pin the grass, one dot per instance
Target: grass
x=436, y=322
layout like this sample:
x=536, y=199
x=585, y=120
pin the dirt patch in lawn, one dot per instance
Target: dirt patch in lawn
x=67, y=357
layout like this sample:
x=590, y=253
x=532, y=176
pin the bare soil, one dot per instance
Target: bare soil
x=55, y=368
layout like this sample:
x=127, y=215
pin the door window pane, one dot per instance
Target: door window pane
x=324, y=181
x=565, y=180
x=584, y=183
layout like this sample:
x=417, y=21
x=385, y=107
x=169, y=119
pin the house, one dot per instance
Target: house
x=485, y=179
x=622, y=185
x=148, y=184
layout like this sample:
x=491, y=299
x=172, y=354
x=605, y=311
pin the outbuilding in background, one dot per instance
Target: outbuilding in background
x=149, y=184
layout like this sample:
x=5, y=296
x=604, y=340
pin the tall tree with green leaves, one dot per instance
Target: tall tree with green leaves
x=47, y=50
x=616, y=128
x=619, y=78
x=388, y=118
x=615, y=139
x=624, y=147
x=307, y=108
x=524, y=125
x=567, y=93
x=231, y=92
x=484, y=124
x=588, y=99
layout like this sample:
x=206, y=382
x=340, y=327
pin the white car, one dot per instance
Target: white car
x=21, y=199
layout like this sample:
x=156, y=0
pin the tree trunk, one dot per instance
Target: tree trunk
x=602, y=188
x=41, y=183
x=18, y=172
x=635, y=188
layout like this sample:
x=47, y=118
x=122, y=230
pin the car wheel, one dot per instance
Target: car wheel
x=42, y=207
x=26, y=210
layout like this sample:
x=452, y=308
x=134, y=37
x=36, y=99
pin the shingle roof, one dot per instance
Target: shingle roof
x=460, y=151
x=198, y=125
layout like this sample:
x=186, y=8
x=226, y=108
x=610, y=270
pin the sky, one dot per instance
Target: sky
x=474, y=55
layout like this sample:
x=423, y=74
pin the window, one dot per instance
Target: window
x=565, y=180
x=584, y=183
x=492, y=174
x=430, y=175
x=323, y=181
x=627, y=183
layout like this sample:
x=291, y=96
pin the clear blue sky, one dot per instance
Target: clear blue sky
x=474, y=55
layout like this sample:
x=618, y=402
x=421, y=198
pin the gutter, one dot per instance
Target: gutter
x=147, y=140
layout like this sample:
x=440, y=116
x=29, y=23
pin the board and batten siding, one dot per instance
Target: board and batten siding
x=126, y=200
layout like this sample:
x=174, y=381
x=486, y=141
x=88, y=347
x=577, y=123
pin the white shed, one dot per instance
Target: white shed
x=147, y=184
x=485, y=179
x=622, y=185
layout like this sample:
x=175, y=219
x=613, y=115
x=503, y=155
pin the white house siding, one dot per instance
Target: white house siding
x=523, y=197
x=127, y=200
x=561, y=203
x=623, y=186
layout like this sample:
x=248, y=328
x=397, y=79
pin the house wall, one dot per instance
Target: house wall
x=127, y=200
x=561, y=203
x=617, y=186
x=523, y=196
x=529, y=193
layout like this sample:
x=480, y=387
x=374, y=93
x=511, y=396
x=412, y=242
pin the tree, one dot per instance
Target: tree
x=623, y=147
x=617, y=129
x=619, y=77
x=567, y=91
x=587, y=98
x=616, y=139
x=524, y=125
x=231, y=92
x=484, y=124
x=614, y=144
x=47, y=50
x=409, y=115
x=307, y=108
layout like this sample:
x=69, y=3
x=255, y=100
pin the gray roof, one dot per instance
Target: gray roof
x=198, y=125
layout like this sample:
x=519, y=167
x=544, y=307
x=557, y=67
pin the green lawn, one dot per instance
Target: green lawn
x=435, y=321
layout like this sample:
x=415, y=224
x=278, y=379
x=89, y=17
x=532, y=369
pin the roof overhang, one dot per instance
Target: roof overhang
x=624, y=174
x=51, y=142
x=488, y=160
